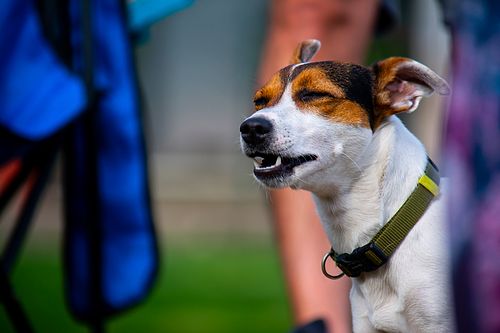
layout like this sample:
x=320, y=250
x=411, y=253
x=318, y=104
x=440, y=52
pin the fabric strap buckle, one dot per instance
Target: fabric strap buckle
x=363, y=259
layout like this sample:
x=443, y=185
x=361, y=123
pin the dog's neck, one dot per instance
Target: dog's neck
x=388, y=172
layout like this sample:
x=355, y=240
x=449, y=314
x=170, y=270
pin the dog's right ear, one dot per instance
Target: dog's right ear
x=400, y=84
x=305, y=51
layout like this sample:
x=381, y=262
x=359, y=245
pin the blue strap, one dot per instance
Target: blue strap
x=110, y=239
x=38, y=94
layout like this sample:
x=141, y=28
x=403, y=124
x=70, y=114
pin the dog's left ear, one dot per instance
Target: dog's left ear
x=305, y=51
x=400, y=84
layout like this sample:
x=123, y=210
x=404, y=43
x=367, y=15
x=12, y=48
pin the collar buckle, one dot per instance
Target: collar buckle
x=363, y=259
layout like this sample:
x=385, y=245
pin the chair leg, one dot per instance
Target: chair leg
x=13, y=307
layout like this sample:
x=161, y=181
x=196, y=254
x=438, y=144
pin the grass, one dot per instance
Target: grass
x=205, y=285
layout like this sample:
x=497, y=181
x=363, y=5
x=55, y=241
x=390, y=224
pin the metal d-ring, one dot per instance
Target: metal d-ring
x=329, y=254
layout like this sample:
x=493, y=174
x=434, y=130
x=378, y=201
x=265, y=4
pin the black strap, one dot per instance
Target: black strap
x=12, y=306
x=23, y=222
x=45, y=157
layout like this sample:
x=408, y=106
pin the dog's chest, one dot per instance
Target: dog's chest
x=376, y=305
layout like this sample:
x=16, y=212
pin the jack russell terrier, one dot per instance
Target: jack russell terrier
x=330, y=128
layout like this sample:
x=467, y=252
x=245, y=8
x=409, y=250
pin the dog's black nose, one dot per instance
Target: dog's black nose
x=254, y=130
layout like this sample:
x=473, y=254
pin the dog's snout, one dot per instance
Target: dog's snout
x=255, y=130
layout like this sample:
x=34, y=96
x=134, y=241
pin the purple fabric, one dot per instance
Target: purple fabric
x=473, y=163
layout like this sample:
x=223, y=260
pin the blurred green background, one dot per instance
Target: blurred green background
x=223, y=285
x=220, y=270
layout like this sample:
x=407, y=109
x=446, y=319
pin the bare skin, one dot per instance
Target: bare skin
x=345, y=30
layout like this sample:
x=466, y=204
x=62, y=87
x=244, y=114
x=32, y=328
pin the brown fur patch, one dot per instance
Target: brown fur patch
x=315, y=79
x=385, y=71
x=333, y=105
x=348, y=112
x=272, y=91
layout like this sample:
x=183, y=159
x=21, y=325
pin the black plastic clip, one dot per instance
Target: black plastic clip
x=363, y=259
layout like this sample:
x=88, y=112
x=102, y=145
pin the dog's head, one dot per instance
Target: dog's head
x=314, y=119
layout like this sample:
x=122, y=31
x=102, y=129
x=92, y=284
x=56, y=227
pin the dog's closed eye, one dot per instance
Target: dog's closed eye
x=310, y=95
x=260, y=101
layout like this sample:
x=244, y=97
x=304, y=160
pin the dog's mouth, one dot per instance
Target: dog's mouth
x=270, y=165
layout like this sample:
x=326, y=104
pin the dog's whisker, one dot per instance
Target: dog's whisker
x=353, y=162
x=303, y=181
x=267, y=194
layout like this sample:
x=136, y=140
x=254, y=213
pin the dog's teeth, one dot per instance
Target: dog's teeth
x=258, y=162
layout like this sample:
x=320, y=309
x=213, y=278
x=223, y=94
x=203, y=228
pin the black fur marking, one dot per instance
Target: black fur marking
x=356, y=82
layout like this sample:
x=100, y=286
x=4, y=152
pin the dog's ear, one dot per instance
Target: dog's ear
x=305, y=51
x=400, y=84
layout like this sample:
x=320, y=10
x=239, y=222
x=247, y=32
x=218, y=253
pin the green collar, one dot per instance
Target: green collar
x=376, y=253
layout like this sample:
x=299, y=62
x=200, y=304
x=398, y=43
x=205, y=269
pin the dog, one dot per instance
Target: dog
x=331, y=128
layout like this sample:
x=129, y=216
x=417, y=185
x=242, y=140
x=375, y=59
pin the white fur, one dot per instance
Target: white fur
x=359, y=181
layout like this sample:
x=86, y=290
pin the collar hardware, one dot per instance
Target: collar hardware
x=429, y=184
x=376, y=253
x=363, y=259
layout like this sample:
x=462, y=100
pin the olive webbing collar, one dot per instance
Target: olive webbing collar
x=376, y=253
